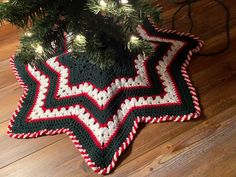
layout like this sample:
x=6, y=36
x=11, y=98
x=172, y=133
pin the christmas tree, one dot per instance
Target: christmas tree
x=102, y=30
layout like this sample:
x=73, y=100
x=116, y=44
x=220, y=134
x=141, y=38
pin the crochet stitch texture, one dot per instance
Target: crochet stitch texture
x=100, y=109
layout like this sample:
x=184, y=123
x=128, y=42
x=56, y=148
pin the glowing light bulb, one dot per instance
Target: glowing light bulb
x=102, y=3
x=124, y=1
x=39, y=49
x=80, y=39
x=134, y=39
x=28, y=34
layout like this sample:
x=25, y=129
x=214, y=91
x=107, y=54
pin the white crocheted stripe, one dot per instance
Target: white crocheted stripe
x=104, y=133
x=101, y=97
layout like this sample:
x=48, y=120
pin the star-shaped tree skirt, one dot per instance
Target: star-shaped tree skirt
x=100, y=109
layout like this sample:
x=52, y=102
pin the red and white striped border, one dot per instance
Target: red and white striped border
x=138, y=120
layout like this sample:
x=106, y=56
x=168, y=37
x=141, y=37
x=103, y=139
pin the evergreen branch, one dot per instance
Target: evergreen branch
x=22, y=13
x=106, y=28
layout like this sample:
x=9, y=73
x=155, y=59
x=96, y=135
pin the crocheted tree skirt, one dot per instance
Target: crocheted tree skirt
x=100, y=109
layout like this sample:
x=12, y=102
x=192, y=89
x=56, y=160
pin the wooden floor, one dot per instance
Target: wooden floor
x=205, y=147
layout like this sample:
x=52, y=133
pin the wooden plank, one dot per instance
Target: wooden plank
x=7, y=77
x=224, y=61
x=191, y=153
x=47, y=162
x=9, y=40
x=9, y=101
x=12, y=150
